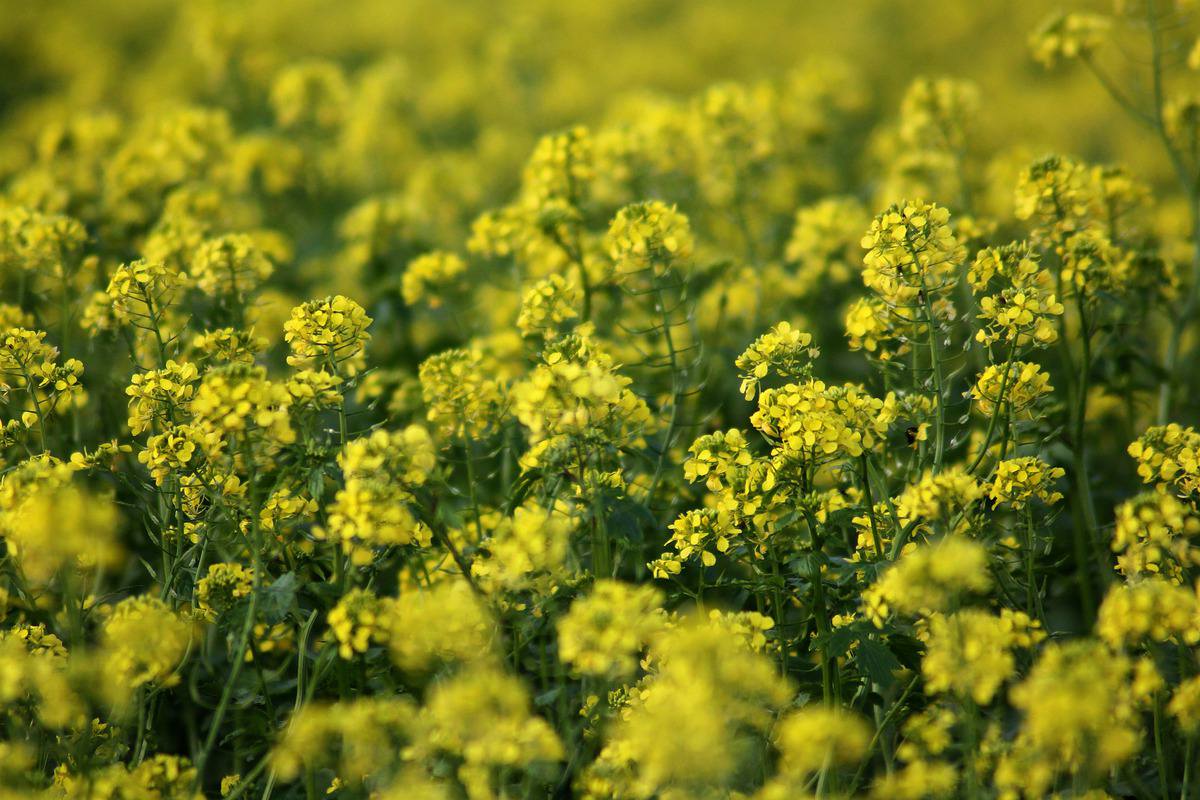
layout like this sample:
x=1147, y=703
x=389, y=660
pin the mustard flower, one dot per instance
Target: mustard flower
x=144, y=642
x=175, y=451
x=1019, y=480
x=749, y=626
x=1093, y=265
x=157, y=397
x=237, y=404
x=372, y=510
x=1081, y=705
x=462, y=401
x=649, y=236
x=311, y=94
x=1185, y=705
x=910, y=248
x=484, y=717
x=37, y=243
x=314, y=390
x=929, y=579
x=230, y=266
x=603, y=633
x=1068, y=36
x=444, y=624
x=782, y=351
x=1017, y=394
x=815, y=738
x=586, y=398
x=547, y=304
x=665, y=741
x=936, y=113
x=141, y=291
x=1151, y=610
x=970, y=653
x=359, y=738
x=870, y=324
x=824, y=241
x=226, y=346
x=329, y=333
x=429, y=277
x=222, y=587
x=358, y=620
x=1154, y=536
x=527, y=551
x=808, y=423
x=718, y=459
x=62, y=525
x=1015, y=300
x=561, y=168
x=1055, y=193
x=940, y=495
x=1169, y=455
x=700, y=533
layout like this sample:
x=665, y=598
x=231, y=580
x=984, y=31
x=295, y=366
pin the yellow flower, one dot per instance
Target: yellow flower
x=1152, y=610
x=970, y=653
x=546, y=304
x=603, y=633
x=929, y=578
x=144, y=642
x=329, y=333
x=1169, y=455
x=230, y=267
x=1066, y=37
x=358, y=620
x=61, y=525
x=372, y=510
x=222, y=588
x=1012, y=388
x=910, y=249
x=430, y=276
x=1019, y=480
x=783, y=351
x=649, y=236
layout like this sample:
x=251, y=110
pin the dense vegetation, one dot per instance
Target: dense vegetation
x=514, y=400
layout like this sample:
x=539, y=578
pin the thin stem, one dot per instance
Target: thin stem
x=1159, y=752
x=239, y=656
x=936, y=364
x=866, y=481
x=676, y=391
x=887, y=719
x=991, y=428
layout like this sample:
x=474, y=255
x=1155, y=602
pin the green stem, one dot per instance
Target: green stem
x=991, y=428
x=866, y=481
x=1159, y=751
x=936, y=364
x=676, y=392
x=879, y=731
x=239, y=656
x=1189, y=751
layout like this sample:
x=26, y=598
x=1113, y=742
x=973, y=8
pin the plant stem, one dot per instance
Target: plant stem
x=936, y=364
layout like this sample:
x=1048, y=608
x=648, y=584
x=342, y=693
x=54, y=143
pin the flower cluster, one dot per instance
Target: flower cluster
x=649, y=237
x=329, y=333
x=433, y=445
x=783, y=351
x=372, y=510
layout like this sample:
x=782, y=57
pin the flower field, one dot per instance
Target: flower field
x=640, y=400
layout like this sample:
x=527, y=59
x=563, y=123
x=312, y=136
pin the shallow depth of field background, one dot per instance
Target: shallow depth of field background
x=428, y=399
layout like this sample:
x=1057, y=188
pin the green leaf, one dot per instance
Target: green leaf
x=277, y=599
x=836, y=642
x=547, y=697
x=876, y=661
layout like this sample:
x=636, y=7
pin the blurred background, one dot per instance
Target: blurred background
x=482, y=80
